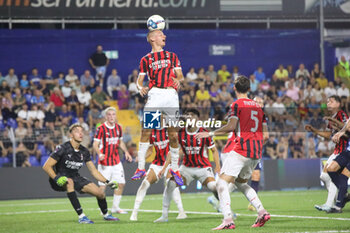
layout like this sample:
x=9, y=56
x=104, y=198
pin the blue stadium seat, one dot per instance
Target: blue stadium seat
x=75, y=120
x=42, y=149
x=33, y=161
x=2, y=125
x=4, y=160
x=28, y=97
x=85, y=114
x=12, y=123
x=43, y=160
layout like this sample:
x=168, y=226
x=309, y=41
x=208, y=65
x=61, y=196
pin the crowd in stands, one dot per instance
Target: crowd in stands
x=40, y=107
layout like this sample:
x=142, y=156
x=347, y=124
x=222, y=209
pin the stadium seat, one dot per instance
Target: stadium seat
x=43, y=160
x=2, y=125
x=4, y=160
x=42, y=149
x=33, y=161
x=75, y=120
x=12, y=123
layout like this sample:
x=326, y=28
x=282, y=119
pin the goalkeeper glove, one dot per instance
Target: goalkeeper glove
x=61, y=180
x=112, y=184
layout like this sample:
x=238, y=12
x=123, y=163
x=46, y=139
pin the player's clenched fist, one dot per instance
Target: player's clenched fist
x=309, y=128
x=337, y=136
x=144, y=91
x=101, y=157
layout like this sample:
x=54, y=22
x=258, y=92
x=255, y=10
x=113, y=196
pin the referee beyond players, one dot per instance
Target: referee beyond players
x=63, y=166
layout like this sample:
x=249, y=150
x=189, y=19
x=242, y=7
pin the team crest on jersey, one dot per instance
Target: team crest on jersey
x=69, y=155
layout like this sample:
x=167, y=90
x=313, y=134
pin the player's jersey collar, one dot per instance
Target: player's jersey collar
x=243, y=98
x=109, y=127
x=193, y=133
x=157, y=51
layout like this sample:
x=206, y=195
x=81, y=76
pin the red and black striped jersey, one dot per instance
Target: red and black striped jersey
x=341, y=145
x=230, y=143
x=194, y=149
x=109, y=138
x=249, y=131
x=160, y=141
x=160, y=68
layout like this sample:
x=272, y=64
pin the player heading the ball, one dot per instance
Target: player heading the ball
x=165, y=74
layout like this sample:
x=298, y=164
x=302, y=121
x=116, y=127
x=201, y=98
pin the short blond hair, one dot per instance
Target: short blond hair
x=109, y=109
x=72, y=127
x=149, y=35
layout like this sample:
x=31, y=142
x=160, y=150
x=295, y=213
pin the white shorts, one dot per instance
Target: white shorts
x=112, y=173
x=223, y=157
x=157, y=169
x=196, y=173
x=165, y=100
x=237, y=165
x=331, y=158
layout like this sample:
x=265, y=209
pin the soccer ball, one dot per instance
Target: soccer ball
x=155, y=22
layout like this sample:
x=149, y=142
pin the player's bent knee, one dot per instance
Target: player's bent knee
x=333, y=167
x=173, y=136
x=346, y=172
x=100, y=195
x=211, y=185
x=220, y=185
x=240, y=180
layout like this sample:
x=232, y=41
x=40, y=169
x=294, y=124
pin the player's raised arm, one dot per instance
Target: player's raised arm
x=338, y=125
x=48, y=167
x=228, y=128
x=325, y=134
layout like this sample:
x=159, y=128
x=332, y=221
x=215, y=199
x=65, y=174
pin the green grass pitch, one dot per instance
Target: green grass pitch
x=291, y=211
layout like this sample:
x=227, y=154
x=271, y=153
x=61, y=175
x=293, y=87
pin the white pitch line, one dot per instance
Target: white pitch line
x=322, y=231
x=126, y=198
x=172, y=211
